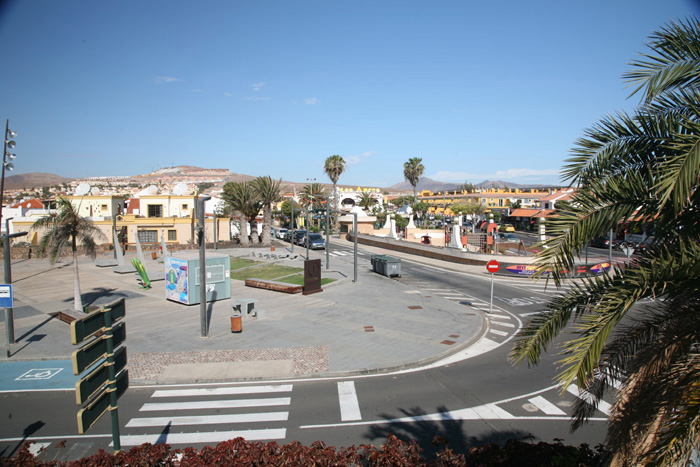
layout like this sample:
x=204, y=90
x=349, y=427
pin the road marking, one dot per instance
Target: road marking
x=501, y=323
x=208, y=438
x=209, y=419
x=499, y=316
x=223, y=391
x=39, y=373
x=498, y=333
x=226, y=404
x=588, y=397
x=349, y=405
x=37, y=447
x=545, y=406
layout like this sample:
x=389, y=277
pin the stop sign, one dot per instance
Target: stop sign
x=493, y=266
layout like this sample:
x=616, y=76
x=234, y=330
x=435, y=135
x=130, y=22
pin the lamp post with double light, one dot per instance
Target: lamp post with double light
x=7, y=159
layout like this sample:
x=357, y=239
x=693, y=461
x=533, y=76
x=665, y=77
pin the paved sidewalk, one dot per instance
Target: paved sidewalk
x=369, y=326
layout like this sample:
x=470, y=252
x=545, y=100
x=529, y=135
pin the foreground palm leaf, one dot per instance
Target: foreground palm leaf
x=635, y=328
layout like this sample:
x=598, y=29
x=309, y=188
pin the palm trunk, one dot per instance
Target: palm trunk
x=77, y=299
x=267, y=224
x=243, y=236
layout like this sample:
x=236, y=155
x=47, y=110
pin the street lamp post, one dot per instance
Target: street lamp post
x=7, y=159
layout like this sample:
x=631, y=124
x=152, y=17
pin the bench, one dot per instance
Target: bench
x=244, y=306
x=274, y=285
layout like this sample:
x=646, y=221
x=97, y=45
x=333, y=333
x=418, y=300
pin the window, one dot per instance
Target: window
x=104, y=207
x=172, y=235
x=148, y=236
x=155, y=210
x=184, y=207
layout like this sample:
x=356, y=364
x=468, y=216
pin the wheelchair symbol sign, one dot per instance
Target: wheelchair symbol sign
x=38, y=374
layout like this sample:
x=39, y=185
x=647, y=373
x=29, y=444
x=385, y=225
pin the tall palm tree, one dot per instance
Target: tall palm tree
x=242, y=199
x=366, y=201
x=66, y=227
x=412, y=171
x=334, y=167
x=269, y=191
x=313, y=196
x=644, y=166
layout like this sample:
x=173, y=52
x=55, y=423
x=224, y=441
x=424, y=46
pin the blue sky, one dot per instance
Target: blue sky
x=478, y=90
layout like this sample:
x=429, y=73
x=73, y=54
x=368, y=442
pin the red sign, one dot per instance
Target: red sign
x=493, y=266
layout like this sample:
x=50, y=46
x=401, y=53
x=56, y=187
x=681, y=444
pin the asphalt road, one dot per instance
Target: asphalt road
x=479, y=397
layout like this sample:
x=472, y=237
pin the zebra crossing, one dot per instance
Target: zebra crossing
x=177, y=413
x=549, y=403
x=502, y=324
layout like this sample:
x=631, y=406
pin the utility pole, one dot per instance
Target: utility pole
x=199, y=204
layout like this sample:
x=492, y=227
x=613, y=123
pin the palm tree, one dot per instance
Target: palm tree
x=334, y=167
x=313, y=196
x=269, y=191
x=366, y=201
x=241, y=199
x=412, y=171
x=644, y=166
x=63, y=227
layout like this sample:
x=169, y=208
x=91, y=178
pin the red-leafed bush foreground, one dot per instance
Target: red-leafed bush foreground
x=393, y=453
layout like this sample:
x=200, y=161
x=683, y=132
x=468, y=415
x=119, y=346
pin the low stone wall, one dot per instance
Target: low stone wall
x=428, y=251
x=28, y=252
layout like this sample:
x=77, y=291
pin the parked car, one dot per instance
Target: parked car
x=315, y=241
x=280, y=232
x=507, y=237
x=508, y=228
x=287, y=237
x=602, y=242
x=299, y=236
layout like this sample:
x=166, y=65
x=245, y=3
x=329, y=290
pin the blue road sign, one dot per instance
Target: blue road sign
x=6, y=296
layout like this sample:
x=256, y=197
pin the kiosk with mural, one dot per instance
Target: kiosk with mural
x=182, y=278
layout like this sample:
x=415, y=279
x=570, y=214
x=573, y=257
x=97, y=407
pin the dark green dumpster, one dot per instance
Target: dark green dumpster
x=386, y=265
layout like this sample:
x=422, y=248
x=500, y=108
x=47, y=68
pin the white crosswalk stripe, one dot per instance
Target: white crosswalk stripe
x=194, y=408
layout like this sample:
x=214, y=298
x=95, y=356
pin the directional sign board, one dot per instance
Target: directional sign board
x=91, y=353
x=493, y=266
x=91, y=383
x=6, y=296
x=84, y=328
x=92, y=412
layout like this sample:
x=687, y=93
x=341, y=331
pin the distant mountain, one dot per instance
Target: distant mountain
x=425, y=183
x=33, y=180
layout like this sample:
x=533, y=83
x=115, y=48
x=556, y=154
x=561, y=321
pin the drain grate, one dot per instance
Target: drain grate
x=369, y=328
x=446, y=342
x=454, y=336
x=415, y=307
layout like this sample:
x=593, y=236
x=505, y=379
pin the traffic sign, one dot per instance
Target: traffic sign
x=84, y=328
x=91, y=353
x=89, y=415
x=493, y=266
x=6, y=296
x=91, y=383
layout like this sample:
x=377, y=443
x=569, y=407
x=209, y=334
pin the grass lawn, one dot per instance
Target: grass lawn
x=243, y=268
x=267, y=271
x=240, y=263
x=298, y=279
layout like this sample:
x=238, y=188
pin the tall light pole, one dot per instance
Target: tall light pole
x=308, y=222
x=7, y=159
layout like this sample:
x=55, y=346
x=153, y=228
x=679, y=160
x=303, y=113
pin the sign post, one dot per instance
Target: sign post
x=492, y=266
x=102, y=386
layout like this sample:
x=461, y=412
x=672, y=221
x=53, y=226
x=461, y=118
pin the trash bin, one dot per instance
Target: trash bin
x=392, y=267
x=386, y=265
x=236, y=322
